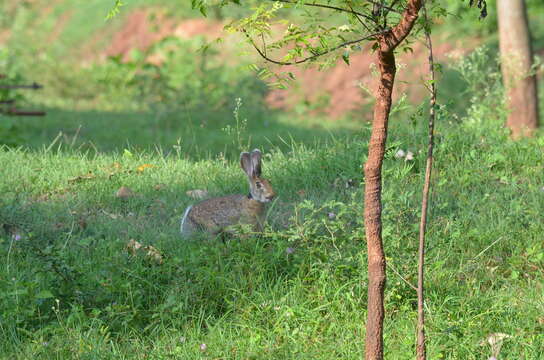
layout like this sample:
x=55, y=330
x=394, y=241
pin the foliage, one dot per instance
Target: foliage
x=69, y=289
x=115, y=9
x=10, y=131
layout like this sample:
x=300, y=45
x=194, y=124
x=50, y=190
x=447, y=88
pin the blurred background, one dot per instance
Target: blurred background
x=142, y=78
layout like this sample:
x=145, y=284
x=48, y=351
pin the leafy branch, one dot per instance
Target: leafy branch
x=115, y=9
x=263, y=54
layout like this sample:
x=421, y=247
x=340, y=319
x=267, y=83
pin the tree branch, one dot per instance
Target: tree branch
x=404, y=27
x=328, y=7
x=359, y=19
x=388, y=8
x=262, y=53
x=401, y=277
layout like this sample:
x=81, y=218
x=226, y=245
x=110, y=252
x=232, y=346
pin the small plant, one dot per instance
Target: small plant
x=239, y=131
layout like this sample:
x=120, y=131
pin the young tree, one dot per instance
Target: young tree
x=384, y=23
x=516, y=63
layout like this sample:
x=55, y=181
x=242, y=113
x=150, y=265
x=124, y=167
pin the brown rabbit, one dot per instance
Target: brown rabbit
x=216, y=214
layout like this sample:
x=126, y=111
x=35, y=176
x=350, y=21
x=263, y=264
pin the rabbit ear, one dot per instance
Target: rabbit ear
x=245, y=162
x=256, y=162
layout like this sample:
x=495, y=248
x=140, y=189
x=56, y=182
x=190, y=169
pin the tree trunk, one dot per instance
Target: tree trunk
x=373, y=205
x=516, y=62
x=373, y=179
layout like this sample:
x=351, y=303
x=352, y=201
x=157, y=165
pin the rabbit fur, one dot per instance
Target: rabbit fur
x=216, y=214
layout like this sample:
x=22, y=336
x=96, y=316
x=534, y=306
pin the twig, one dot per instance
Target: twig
x=400, y=276
x=34, y=86
x=277, y=62
x=487, y=248
x=388, y=8
x=359, y=19
x=420, y=348
x=19, y=112
x=351, y=11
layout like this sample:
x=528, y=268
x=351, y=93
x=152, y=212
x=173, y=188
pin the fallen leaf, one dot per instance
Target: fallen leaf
x=159, y=187
x=133, y=246
x=197, y=194
x=142, y=167
x=495, y=341
x=151, y=252
x=124, y=192
x=154, y=254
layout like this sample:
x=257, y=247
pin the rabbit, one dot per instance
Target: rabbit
x=215, y=215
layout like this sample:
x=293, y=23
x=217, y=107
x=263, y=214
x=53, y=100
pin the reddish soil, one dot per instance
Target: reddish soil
x=143, y=28
x=339, y=86
x=140, y=32
x=4, y=36
x=345, y=85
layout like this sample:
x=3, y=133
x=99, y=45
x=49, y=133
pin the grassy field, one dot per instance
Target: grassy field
x=70, y=288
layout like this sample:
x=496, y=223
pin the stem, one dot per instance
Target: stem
x=421, y=348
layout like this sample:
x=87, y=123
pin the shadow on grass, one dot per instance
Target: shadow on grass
x=75, y=233
x=199, y=133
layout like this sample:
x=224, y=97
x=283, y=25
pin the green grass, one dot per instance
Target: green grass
x=73, y=291
x=190, y=133
x=69, y=289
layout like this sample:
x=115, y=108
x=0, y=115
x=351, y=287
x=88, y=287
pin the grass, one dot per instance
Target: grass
x=69, y=289
x=190, y=133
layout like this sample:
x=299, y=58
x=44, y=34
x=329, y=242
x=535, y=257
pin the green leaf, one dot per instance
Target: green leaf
x=345, y=57
x=127, y=153
x=115, y=10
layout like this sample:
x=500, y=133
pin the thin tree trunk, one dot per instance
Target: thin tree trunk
x=421, y=351
x=516, y=62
